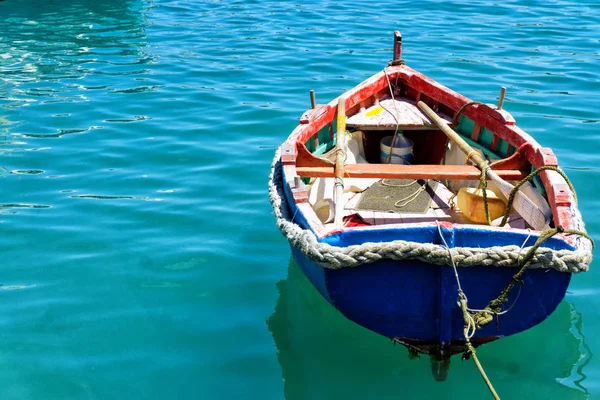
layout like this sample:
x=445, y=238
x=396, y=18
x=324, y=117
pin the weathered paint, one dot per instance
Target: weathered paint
x=397, y=46
x=390, y=114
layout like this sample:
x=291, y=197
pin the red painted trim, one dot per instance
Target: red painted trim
x=305, y=158
x=300, y=195
x=476, y=132
x=509, y=149
x=288, y=154
x=494, y=144
x=516, y=161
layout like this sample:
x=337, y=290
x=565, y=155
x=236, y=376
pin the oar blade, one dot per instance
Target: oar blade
x=523, y=204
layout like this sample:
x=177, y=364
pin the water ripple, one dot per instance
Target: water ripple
x=136, y=138
x=22, y=205
x=105, y=197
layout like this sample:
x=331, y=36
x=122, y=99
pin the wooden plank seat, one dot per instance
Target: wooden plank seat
x=513, y=168
x=388, y=114
x=399, y=171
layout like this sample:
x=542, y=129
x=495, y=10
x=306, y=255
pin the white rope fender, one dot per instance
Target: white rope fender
x=334, y=257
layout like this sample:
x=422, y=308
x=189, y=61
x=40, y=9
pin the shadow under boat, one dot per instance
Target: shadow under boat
x=324, y=355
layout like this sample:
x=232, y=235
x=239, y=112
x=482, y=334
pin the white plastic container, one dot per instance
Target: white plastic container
x=401, y=150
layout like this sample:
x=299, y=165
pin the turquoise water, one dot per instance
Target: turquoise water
x=140, y=257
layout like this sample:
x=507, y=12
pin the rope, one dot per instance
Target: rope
x=483, y=185
x=471, y=154
x=449, y=255
x=470, y=349
x=396, y=62
x=460, y=111
x=411, y=197
x=494, y=307
x=388, y=159
x=470, y=325
x=384, y=183
x=485, y=316
x=333, y=257
x=513, y=193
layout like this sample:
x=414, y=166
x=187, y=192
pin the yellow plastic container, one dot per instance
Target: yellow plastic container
x=470, y=203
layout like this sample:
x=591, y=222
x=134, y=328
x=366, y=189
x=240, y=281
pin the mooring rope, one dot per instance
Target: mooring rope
x=388, y=159
x=460, y=111
x=477, y=319
x=470, y=326
x=513, y=193
x=494, y=307
x=470, y=349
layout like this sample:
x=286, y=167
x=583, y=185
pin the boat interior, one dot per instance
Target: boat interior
x=399, y=167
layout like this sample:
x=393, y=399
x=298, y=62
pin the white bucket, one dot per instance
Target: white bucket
x=402, y=150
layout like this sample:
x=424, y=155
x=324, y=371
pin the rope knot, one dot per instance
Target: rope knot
x=560, y=229
x=396, y=62
x=484, y=317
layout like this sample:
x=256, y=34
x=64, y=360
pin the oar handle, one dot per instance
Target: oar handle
x=339, y=161
x=452, y=135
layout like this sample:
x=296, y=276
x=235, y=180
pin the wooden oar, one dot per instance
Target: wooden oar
x=340, y=158
x=524, y=206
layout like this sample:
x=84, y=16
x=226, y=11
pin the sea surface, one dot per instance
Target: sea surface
x=139, y=257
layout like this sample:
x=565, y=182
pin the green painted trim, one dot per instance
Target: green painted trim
x=322, y=149
x=486, y=137
x=465, y=129
x=490, y=154
x=465, y=126
x=310, y=145
x=502, y=146
x=539, y=185
x=324, y=134
x=325, y=143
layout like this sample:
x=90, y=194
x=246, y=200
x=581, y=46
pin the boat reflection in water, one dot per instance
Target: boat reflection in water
x=324, y=355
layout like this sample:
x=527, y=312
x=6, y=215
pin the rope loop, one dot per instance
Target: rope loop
x=460, y=111
x=396, y=62
x=471, y=154
x=485, y=316
x=513, y=192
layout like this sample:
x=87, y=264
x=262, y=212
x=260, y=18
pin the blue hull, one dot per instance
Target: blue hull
x=416, y=302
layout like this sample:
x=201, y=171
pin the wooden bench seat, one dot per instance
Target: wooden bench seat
x=399, y=171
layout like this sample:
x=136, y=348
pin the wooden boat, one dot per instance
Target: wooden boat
x=402, y=272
